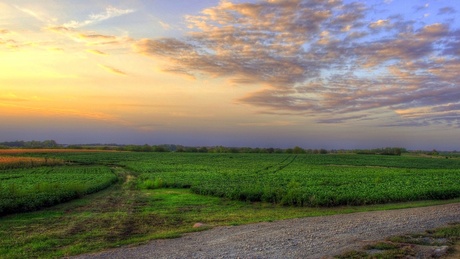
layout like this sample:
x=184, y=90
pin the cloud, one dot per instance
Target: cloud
x=97, y=52
x=275, y=123
x=341, y=119
x=165, y=25
x=97, y=37
x=36, y=14
x=110, y=12
x=446, y=10
x=113, y=70
x=89, y=38
x=421, y=7
x=379, y=23
x=318, y=57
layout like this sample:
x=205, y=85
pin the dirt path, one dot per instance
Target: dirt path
x=317, y=237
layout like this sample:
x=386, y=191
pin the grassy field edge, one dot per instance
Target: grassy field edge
x=122, y=215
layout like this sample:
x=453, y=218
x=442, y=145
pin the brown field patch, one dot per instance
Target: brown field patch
x=9, y=162
x=48, y=150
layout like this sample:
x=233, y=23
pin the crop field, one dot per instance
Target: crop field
x=286, y=179
x=304, y=180
x=10, y=162
x=31, y=189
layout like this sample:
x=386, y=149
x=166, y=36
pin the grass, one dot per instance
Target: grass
x=417, y=245
x=123, y=214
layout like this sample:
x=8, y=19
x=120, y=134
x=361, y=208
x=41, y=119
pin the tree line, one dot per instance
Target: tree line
x=30, y=144
x=396, y=151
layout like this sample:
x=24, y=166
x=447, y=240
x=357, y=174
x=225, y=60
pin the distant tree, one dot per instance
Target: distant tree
x=203, y=150
x=233, y=150
x=245, y=150
x=191, y=149
x=74, y=147
x=270, y=150
x=49, y=144
x=298, y=150
x=220, y=149
x=159, y=149
x=146, y=148
x=256, y=150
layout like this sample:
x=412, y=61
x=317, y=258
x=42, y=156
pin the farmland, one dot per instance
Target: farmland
x=155, y=195
x=311, y=180
x=31, y=189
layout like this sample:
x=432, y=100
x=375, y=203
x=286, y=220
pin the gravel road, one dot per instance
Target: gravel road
x=316, y=237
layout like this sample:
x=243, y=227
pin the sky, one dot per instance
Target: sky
x=333, y=74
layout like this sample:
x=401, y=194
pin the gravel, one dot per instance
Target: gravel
x=314, y=237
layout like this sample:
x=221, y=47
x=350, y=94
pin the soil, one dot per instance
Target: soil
x=315, y=237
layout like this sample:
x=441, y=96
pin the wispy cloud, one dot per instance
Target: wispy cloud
x=88, y=38
x=37, y=15
x=275, y=123
x=165, y=25
x=447, y=10
x=341, y=119
x=110, y=12
x=325, y=57
x=97, y=52
x=421, y=7
x=113, y=70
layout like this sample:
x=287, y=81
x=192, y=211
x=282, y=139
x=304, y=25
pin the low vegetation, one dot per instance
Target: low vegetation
x=434, y=243
x=162, y=194
x=31, y=189
x=303, y=180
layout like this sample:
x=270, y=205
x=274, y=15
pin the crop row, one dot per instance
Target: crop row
x=222, y=160
x=32, y=189
x=303, y=180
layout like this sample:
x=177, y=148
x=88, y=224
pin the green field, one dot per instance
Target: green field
x=141, y=196
x=288, y=179
x=31, y=189
x=303, y=180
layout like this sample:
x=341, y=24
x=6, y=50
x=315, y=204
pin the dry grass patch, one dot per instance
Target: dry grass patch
x=15, y=151
x=10, y=162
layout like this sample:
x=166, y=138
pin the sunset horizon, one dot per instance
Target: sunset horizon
x=327, y=74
